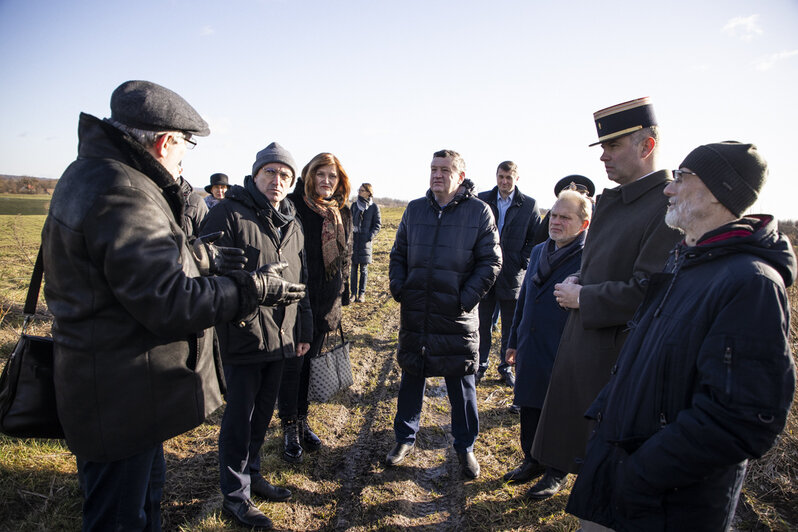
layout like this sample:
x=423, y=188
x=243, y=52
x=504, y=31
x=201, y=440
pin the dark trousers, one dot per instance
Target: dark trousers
x=486, y=307
x=251, y=393
x=530, y=417
x=124, y=494
x=355, y=288
x=462, y=398
x=296, y=382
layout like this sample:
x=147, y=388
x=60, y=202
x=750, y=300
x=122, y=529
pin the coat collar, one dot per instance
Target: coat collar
x=634, y=190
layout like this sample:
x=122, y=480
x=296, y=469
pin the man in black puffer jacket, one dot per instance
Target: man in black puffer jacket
x=259, y=220
x=705, y=380
x=445, y=258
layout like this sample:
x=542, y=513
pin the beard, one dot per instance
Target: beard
x=676, y=219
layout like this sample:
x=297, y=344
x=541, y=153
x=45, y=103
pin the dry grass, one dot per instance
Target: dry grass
x=344, y=486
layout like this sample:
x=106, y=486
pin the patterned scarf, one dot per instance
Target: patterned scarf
x=333, y=239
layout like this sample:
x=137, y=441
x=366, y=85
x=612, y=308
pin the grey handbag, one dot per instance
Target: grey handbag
x=330, y=372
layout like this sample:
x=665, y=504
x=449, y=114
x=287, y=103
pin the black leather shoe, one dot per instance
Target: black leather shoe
x=469, y=464
x=508, y=378
x=292, y=450
x=246, y=513
x=547, y=486
x=525, y=472
x=398, y=453
x=264, y=490
x=310, y=440
x=514, y=409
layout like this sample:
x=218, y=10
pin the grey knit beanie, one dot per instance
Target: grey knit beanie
x=734, y=172
x=273, y=153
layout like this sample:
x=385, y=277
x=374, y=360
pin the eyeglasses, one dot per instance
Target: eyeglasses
x=190, y=144
x=678, y=174
x=284, y=175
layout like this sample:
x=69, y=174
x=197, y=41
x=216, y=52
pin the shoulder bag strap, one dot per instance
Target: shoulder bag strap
x=33, y=290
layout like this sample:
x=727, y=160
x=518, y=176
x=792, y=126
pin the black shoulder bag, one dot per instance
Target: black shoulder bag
x=27, y=391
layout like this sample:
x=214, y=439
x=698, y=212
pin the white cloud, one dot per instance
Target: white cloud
x=206, y=31
x=744, y=28
x=770, y=61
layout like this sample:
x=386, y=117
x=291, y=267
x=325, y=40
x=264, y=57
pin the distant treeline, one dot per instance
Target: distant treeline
x=23, y=184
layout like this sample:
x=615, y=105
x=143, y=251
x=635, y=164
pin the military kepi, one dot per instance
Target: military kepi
x=623, y=119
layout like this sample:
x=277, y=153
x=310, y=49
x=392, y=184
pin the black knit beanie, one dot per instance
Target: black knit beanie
x=734, y=172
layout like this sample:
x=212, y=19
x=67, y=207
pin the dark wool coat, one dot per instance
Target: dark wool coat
x=537, y=327
x=134, y=359
x=703, y=384
x=442, y=262
x=627, y=242
x=370, y=225
x=520, y=222
x=268, y=333
x=326, y=295
x=194, y=211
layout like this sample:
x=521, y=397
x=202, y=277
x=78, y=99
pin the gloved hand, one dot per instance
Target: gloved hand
x=216, y=260
x=272, y=290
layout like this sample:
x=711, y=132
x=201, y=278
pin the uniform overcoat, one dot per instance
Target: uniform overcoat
x=627, y=242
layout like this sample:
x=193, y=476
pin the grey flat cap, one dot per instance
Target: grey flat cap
x=147, y=105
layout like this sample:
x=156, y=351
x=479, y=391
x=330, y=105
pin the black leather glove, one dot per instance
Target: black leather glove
x=272, y=290
x=216, y=260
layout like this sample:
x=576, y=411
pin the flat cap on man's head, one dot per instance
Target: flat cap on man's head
x=151, y=107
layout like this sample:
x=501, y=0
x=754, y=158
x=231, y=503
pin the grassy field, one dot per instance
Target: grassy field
x=343, y=486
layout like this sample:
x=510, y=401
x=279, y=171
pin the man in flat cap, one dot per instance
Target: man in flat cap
x=133, y=317
x=705, y=380
x=627, y=242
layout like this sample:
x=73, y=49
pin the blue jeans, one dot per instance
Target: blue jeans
x=124, y=494
x=462, y=398
x=358, y=289
x=251, y=393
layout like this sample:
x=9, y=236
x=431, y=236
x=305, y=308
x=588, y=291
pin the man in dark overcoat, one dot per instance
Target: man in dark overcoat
x=517, y=218
x=539, y=320
x=445, y=258
x=627, y=242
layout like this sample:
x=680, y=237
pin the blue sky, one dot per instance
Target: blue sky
x=384, y=84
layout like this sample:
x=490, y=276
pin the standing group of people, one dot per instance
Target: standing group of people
x=648, y=333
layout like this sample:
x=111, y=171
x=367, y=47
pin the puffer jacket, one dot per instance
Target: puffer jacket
x=326, y=295
x=269, y=332
x=517, y=239
x=365, y=226
x=703, y=383
x=443, y=261
x=194, y=210
x=134, y=355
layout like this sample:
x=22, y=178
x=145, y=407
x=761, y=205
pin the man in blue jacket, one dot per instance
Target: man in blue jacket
x=445, y=258
x=705, y=380
x=517, y=218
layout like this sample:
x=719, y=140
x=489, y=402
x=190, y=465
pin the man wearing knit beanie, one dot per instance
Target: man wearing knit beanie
x=274, y=153
x=705, y=380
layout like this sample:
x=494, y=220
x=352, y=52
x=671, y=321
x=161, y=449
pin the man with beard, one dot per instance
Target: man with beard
x=705, y=381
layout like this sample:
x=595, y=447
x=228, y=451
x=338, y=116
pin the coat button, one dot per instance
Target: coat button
x=614, y=369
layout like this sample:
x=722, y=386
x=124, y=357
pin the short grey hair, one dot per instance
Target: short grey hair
x=642, y=134
x=583, y=202
x=457, y=160
x=142, y=136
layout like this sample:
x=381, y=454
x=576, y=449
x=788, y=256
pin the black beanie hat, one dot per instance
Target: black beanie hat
x=734, y=172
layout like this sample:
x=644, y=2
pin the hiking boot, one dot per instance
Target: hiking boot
x=292, y=449
x=310, y=440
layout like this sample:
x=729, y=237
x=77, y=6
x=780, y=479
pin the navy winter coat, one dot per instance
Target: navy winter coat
x=703, y=383
x=537, y=327
x=520, y=221
x=367, y=228
x=442, y=262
